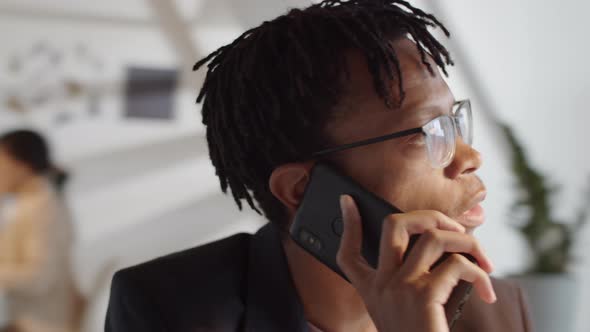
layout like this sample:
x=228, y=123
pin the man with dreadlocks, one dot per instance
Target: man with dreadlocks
x=341, y=81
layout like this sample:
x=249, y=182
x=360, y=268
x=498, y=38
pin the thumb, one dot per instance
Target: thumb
x=349, y=257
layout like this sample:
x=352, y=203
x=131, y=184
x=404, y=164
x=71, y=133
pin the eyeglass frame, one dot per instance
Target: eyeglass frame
x=456, y=106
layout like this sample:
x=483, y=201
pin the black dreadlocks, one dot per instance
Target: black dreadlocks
x=268, y=94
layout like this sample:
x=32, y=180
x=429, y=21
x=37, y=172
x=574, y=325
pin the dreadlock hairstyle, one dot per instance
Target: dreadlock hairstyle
x=268, y=94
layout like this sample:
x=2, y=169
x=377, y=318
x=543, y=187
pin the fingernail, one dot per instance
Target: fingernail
x=494, y=297
x=343, y=207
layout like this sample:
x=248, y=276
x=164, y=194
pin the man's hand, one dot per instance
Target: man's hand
x=411, y=296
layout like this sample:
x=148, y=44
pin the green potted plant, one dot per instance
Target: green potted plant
x=548, y=282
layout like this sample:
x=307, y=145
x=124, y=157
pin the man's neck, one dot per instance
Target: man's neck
x=329, y=302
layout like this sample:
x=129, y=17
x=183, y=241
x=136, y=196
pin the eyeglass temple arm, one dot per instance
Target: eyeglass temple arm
x=367, y=142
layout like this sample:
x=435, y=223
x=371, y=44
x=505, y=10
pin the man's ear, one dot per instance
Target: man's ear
x=288, y=182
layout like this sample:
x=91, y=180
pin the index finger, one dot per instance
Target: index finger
x=349, y=256
x=397, y=229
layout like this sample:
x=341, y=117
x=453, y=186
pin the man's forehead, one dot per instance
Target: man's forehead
x=365, y=113
x=415, y=73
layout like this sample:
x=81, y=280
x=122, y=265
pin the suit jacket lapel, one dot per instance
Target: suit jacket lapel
x=272, y=303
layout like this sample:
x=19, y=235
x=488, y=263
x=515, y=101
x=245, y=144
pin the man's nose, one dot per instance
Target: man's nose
x=466, y=160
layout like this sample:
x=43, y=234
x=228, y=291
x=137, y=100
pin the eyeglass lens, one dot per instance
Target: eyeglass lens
x=440, y=135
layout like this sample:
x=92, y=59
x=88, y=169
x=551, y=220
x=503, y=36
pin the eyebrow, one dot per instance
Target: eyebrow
x=416, y=111
x=421, y=115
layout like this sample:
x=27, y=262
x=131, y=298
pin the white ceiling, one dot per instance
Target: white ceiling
x=250, y=12
x=127, y=9
x=133, y=11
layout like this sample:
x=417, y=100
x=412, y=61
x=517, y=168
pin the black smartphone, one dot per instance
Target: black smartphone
x=317, y=226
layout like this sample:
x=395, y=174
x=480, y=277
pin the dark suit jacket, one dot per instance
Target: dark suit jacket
x=242, y=283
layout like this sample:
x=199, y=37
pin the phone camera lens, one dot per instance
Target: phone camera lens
x=317, y=245
x=304, y=235
x=311, y=240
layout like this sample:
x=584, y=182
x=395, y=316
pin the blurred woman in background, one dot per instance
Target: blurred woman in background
x=36, y=238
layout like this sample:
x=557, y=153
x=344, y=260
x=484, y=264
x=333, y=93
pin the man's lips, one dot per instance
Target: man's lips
x=475, y=215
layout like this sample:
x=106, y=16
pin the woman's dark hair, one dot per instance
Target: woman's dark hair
x=30, y=148
x=268, y=94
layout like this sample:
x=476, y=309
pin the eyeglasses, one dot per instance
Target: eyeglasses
x=439, y=134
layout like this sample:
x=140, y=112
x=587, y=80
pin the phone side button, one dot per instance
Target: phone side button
x=337, y=226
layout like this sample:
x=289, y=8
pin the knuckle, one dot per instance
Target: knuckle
x=388, y=223
x=475, y=245
x=406, y=283
x=433, y=236
x=458, y=259
x=481, y=276
x=426, y=291
x=408, y=287
x=439, y=216
x=393, y=224
x=392, y=221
